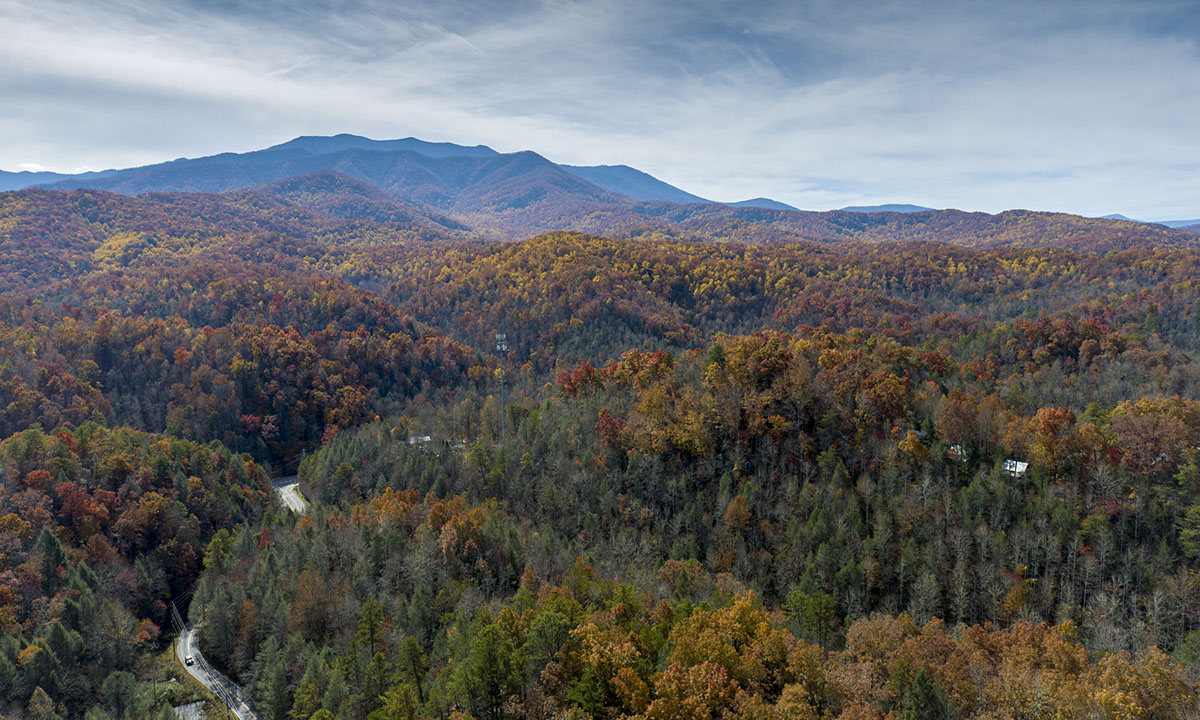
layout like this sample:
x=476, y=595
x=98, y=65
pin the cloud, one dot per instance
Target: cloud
x=1084, y=107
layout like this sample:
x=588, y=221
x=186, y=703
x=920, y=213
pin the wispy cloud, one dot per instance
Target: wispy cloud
x=1084, y=107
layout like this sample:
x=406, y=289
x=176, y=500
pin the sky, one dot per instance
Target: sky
x=1085, y=107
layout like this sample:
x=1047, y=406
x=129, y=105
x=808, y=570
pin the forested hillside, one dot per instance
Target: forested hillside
x=102, y=528
x=754, y=463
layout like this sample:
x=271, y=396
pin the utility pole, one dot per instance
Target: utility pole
x=501, y=347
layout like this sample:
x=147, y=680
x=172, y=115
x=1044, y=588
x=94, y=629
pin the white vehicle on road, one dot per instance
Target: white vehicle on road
x=234, y=697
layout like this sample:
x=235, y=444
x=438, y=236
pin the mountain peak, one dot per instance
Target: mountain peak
x=325, y=144
x=763, y=203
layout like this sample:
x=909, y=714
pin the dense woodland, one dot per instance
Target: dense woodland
x=754, y=462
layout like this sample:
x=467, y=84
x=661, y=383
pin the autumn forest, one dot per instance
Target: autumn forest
x=749, y=463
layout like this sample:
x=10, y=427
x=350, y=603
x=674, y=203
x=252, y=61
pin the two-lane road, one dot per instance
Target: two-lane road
x=229, y=693
x=288, y=489
x=186, y=647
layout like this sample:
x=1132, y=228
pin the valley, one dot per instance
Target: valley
x=750, y=461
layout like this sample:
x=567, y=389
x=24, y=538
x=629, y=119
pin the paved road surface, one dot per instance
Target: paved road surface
x=221, y=686
x=288, y=489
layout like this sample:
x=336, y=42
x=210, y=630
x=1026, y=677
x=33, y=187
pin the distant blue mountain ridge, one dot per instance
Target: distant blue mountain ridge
x=902, y=208
x=1168, y=223
x=325, y=144
x=446, y=177
x=340, y=153
x=25, y=178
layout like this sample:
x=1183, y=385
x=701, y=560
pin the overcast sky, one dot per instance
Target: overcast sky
x=1089, y=107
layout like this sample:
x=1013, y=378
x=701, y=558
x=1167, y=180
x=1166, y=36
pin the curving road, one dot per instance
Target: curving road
x=221, y=686
x=288, y=489
x=240, y=704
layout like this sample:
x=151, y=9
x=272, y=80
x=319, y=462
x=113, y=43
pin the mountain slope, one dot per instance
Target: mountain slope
x=336, y=195
x=1013, y=228
x=512, y=194
x=48, y=236
x=632, y=182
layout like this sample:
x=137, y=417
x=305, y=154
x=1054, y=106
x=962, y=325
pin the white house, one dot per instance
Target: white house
x=1015, y=468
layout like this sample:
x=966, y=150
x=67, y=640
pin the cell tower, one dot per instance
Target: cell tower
x=501, y=347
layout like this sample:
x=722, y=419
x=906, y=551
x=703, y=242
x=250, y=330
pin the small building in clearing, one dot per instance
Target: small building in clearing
x=1015, y=468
